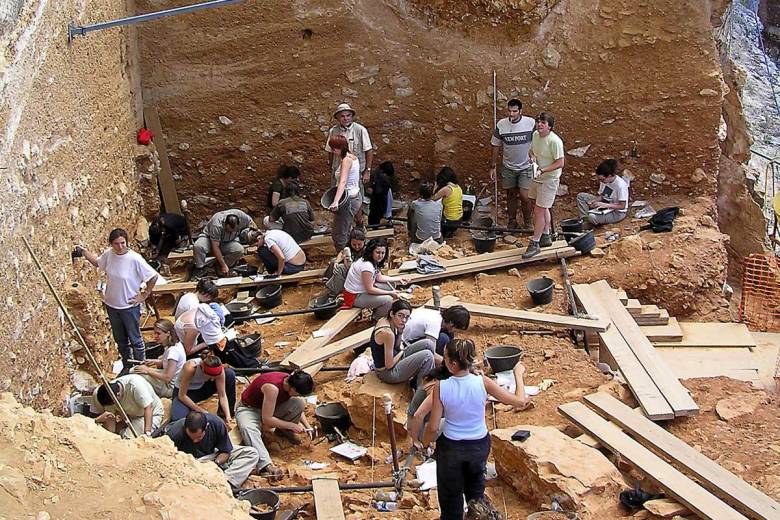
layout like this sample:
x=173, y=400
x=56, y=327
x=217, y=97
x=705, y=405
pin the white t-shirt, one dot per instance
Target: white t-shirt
x=354, y=282
x=125, y=275
x=208, y=324
x=614, y=192
x=174, y=354
x=423, y=322
x=287, y=244
x=186, y=303
x=184, y=323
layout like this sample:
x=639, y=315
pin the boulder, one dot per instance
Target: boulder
x=666, y=508
x=733, y=407
x=551, y=463
x=366, y=406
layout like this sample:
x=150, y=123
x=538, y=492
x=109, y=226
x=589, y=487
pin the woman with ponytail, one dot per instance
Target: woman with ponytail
x=464, y=444
x=160, y=373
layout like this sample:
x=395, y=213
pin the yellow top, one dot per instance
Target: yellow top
x=453, y=203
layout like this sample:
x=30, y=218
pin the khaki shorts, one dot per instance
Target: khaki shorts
x=544, y=192
x=516, y=178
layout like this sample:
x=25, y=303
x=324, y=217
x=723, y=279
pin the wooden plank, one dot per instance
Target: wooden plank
x=633, y=307
x=675, y=483
x=650, y=311
x=329, y=330
x=334, y=349
x=472, y=267
x=165, y=177
x=540, y=318
x=661, y=319
x=622, y=296
x=692, y=362
x=303, y=276
x=327, y=499
x=671, y=332
x=315, y=241
x=711, y=475
x=675, y=393
x=713, y=335
x=647, y=394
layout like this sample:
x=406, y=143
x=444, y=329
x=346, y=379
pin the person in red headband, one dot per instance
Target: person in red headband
x=199, y=379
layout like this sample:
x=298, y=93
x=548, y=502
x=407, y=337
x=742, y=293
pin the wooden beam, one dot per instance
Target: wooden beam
x=329, y=330
x=676, y=484
x=315, y=241
x=334, y=349
x=712, y=335
x=327, y=499
x=711, y=475
x=673, y=391
x=167, y=185
x=540, y=318
x=304, y=276
x=647, y=394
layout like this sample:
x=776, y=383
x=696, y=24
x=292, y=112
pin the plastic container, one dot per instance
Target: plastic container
x=503, y=357
x=584, y=243
x=325, y=306
x=269, y=296
x=332, y=414
x=541, y=290
x=484, y=242
x=328, y=196
x=385, y=507
x=261, y=496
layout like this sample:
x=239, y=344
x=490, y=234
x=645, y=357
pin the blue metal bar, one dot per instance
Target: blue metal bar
x=82, y=30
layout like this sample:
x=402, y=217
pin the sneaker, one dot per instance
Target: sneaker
x=544, y=240
x=346, y=256
x=532, y=250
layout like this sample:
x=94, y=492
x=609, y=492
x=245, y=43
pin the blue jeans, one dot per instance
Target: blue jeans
x=271, y=263
x=180, y=410
x=460, y=470
x=126, y=329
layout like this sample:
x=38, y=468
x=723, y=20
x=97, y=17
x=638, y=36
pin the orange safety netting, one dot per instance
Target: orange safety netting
x=760, y=303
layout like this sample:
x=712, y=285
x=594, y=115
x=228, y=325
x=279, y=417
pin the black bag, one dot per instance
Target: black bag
x=635, y=498
x=662, y=221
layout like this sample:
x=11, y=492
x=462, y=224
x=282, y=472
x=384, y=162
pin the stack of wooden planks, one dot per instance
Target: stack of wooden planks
x=694, y=480
x=625, y=347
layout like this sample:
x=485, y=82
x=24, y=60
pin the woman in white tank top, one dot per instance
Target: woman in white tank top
x=348, y=182
x=463, y=447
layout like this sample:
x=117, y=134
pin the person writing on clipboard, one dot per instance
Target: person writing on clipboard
x=611, y=204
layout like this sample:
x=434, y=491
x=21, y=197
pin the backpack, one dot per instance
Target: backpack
x=662, y=221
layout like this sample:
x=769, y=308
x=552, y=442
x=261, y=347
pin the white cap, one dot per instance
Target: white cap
x=342, y=107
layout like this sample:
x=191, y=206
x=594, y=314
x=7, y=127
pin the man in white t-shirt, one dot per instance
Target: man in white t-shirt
x=513, y=133
x=434, y=329
x=280, y=253
x=611, y=203
x=138, y=400
x=547, y=152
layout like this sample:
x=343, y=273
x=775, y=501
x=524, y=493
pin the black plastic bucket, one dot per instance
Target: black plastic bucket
x=328, y=196
x=264, y=497
x=584, y=243
x=332, y=415
x=541, y=290
x=325, y=306
x=570, y=227
x=484, y=242
x=503, y=357
x=269, y=296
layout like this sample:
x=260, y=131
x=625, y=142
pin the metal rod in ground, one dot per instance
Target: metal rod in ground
x=82, y=30
x=495, y=122
x=388, y=404
x=103, y=378
x=342, y=486
x=279, y=368
x=241, y=319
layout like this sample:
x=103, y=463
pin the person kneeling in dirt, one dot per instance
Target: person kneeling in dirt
x=432, y=329
x=199, y=379
x=220, y=239
x=206, y=291
x=138, y=400
x=611, y=204
x=336, y=272
x=205, y=437
x=424, y=217
x=292, y=214
x=280, y=253
x=166, y=232
x=392, y=364
x=272, y=401
x=365, y=286
x=464, y=444
x=160, y=373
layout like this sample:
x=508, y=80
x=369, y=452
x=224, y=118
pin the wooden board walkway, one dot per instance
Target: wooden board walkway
x=671, y=332
x=675, y=393
x=674, y=482
x=539, y=318
x=329, y=330
x=310, y=275
x=327, y=499
x=691, y=362
x=711, y=475
x=334, y=349
x=315, y=241
x=647, y=394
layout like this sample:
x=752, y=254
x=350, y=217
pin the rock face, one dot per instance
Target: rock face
x=366, y=406
x=551, y=463
x=72, y=468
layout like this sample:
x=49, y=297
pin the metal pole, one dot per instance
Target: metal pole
x=91, y=358
x=82, y=30
x=342, y=486
x=387, y=401
x=495, y=122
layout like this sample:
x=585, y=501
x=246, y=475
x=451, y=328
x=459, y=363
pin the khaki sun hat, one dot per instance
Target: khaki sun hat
x=342, y=107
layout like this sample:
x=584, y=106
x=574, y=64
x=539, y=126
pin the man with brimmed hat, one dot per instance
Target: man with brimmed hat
x=357, y=138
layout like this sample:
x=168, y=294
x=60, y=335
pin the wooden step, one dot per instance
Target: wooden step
x=633, y=307
x=649, y=311
x=668, y=333
x=622, y=296
x=713, y=335
x=661, y=319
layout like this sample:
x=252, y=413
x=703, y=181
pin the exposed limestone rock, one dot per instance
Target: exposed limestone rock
x=366, y=406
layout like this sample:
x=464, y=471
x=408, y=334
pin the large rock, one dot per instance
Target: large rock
x=365, y=407
x=551, y=463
